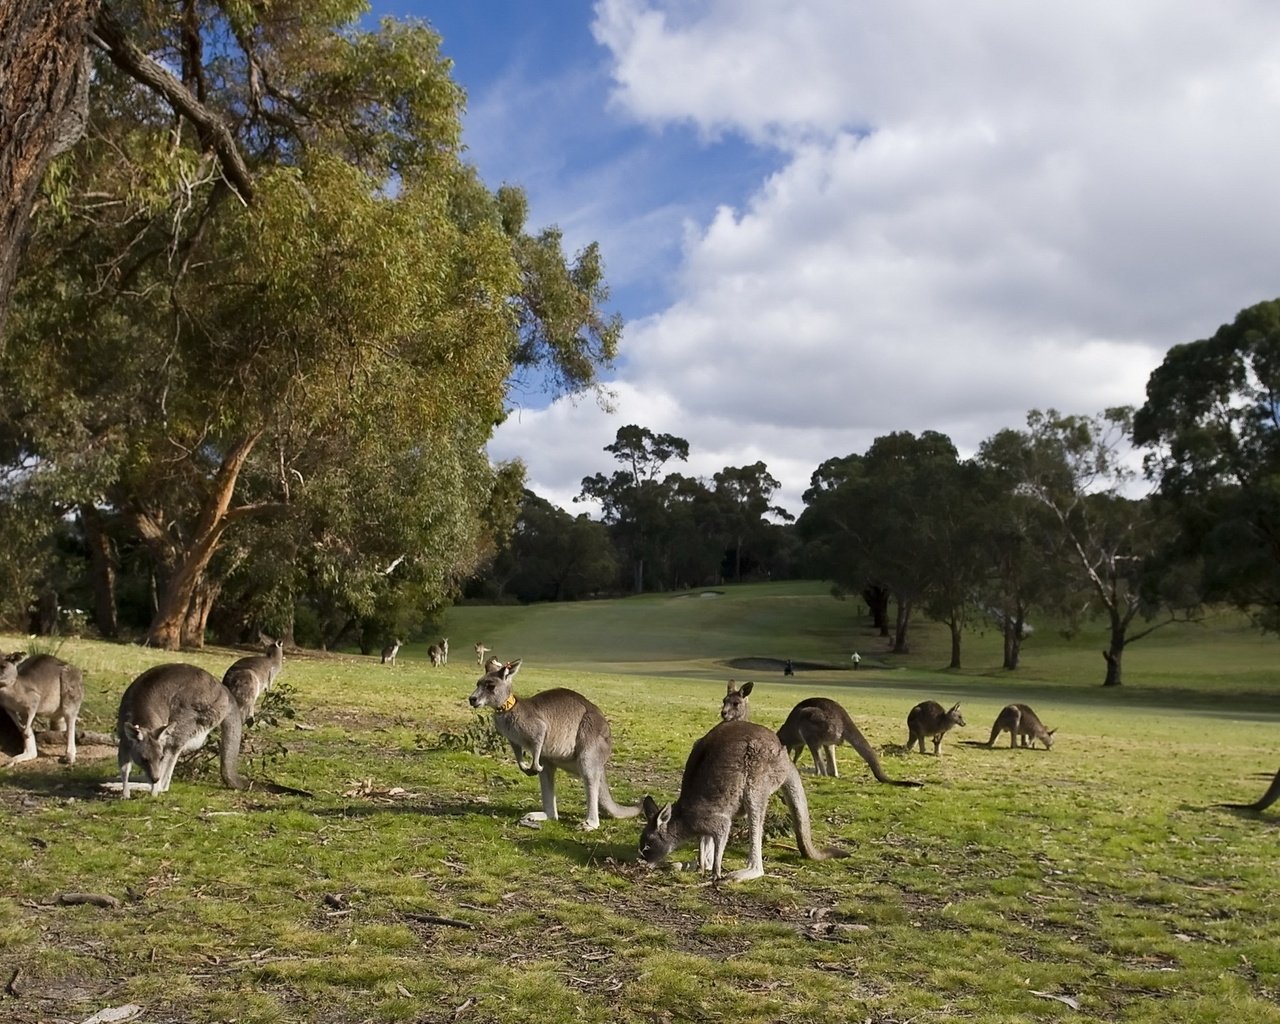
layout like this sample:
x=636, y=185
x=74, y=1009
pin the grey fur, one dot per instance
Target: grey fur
x=249, y=678
x=560, y=729
x=735, y=707
x=1023, y=725
x=733, y=769
x=169, y=710
x=929, y=718
x=1263, y=802
x=41, y=685
x=821, y=724
x=481, y=651
x=389, y=652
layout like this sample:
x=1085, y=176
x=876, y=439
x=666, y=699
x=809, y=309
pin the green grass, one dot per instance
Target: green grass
x=1099, y=871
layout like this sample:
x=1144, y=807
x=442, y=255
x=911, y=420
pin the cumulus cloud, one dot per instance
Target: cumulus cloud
x=978, y=209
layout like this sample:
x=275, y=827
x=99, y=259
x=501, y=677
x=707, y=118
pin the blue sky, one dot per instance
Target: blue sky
x=827, y=220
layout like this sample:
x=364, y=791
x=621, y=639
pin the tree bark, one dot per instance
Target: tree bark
x=44, y=83
x=955, y=643
x=102, y=564
x=901, y=625
x=192, y=559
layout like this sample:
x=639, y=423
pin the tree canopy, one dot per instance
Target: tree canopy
x=267, y=288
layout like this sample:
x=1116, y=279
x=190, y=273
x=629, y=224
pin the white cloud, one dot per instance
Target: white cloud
x=981, y=209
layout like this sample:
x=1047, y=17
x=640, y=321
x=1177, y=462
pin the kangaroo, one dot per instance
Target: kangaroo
x=1023, y=725
x=444, y=651
x=734, y=768
x=389, y=652
x=41, y=685
x=822, y=725
x=249, y=678
x=481, y=651
x=492, y=665
x=560, y=729
x=169, y=710
x=735, y=707
x=436, y=655
x=929, y=719
x=1266, y=800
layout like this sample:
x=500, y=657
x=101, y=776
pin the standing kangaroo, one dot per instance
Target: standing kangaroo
x=735, y=707
x=169, y=710
x=560, y=729
x=929, y=719
x=735, y=768
x=436, y=655
x=41, y=685
x=822, y=725
x=249, y=678
x=389, y=652
x=1024, y=726
x=481, y=651
x=444, y=651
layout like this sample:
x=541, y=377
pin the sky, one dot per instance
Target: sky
x=826, y=220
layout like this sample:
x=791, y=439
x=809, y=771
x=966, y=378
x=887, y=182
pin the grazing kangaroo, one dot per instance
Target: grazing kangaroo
x=481, y=651
x=929, y=719
x=249, y=678
x=1266, y=800
x=822, y=725
x=560, y=729
x=389, y=652
x=1023, y=725
x=734, y=768
x=735, y=707
x=169, y=710
x=41, y=685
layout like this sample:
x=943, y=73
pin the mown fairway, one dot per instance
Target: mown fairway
x=406, y=889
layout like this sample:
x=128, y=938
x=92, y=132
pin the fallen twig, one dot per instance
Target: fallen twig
x=449, y=922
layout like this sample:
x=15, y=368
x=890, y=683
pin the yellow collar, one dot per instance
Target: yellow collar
x=508, y=704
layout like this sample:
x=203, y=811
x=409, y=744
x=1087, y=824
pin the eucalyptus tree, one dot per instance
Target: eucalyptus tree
x=744, y=493
x=1075, y=469
x=633, y=500
x=294, y=302
x=1212, y=416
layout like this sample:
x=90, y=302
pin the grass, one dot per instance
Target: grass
x=405, y=889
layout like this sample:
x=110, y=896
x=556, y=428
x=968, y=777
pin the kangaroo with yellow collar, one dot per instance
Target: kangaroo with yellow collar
x=560, y=729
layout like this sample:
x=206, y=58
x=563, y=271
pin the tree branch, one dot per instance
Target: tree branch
x=110, y=37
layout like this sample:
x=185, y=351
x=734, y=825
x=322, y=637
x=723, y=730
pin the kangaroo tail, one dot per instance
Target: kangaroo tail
x=612, y=808
x=1266, y=800
x=229, y=735
x=853, y=736
x=798, y=804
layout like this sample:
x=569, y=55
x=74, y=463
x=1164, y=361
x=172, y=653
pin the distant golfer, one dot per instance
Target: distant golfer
x=788, y=669
x=856, y=659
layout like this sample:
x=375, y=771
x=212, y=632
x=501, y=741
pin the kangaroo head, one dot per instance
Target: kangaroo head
x=147, y=745
x=954, y=714
x=1048, y=739
x=8, y=672
x=493, y=665
x=735, y=706
x=656, y=840
x=493, y=690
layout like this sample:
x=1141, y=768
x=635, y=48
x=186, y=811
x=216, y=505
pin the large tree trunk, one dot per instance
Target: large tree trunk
x=1012, y=629
x=901, y=624
x=44, y=91
x=955, y=643
x=877, y=599
x=102, y=564
x=191, y=560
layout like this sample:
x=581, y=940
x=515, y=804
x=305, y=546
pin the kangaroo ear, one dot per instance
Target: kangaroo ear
x=649, y=806
x=135, y=730
x=731, y=689
x=746, y=689
x=955, y=706
x=664, y=816
x=1052, y=731
x=510, y=669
